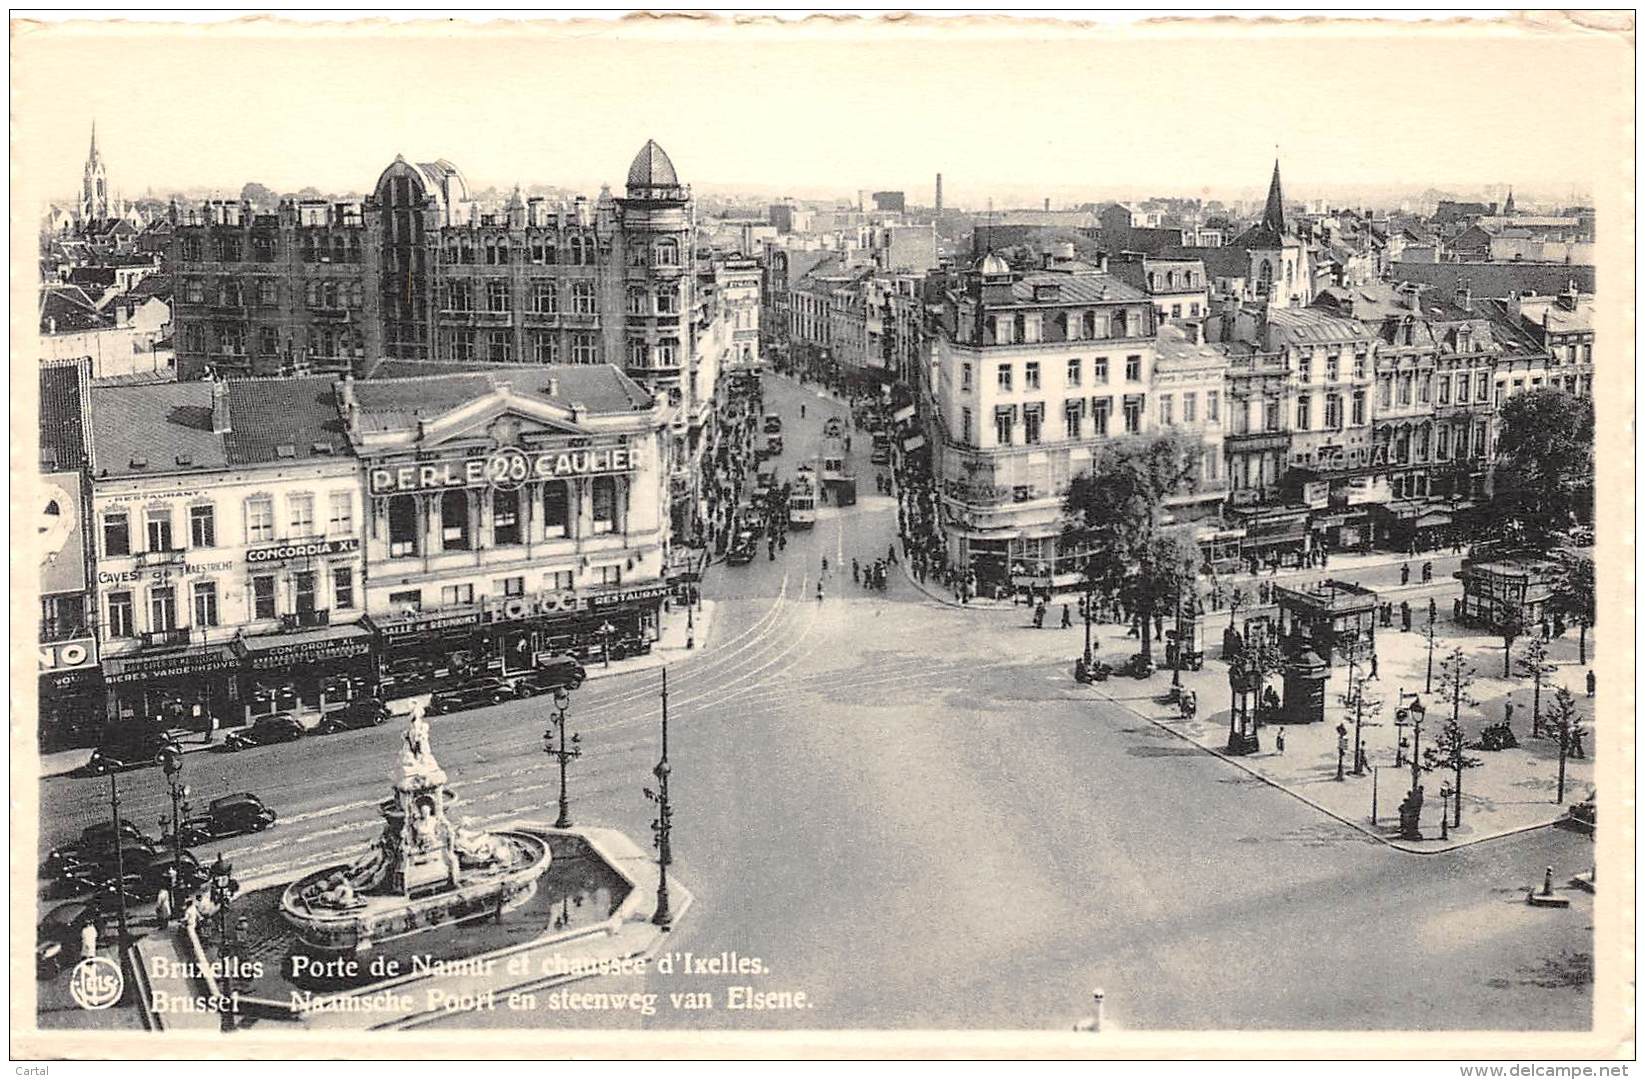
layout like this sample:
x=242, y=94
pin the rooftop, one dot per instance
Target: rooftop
x=424, y=388
x=62, y=427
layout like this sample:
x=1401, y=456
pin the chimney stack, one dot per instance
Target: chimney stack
x=553, y=386
x=1465, y=296
x=219, y=408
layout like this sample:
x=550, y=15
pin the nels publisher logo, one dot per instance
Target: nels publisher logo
x=96, y=983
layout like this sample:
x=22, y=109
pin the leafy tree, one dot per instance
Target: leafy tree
x=259, y=196
x=1114, y=512
x=1574, y=597
x=1545, y=462
x=1562, y=718
x=1533, y=664
x=1456, y=678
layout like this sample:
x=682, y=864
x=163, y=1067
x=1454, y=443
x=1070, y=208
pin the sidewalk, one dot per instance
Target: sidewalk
x=1511, y=791
x=680, y=638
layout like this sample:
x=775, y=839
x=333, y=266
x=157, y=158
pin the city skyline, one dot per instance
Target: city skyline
x=1194, y=140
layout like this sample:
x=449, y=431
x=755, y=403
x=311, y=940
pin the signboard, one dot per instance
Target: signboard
x=507, y=468
x=418, y=624
x=904, y=413
x=57, y=520
x=127, y=669
x=913, y=443
x=1365, y=489
x=304, y=652
x=1316, y=493
x=627, y=596
x=511, y=608
x=303, y=549
x=1346, y=458
x=68, y=655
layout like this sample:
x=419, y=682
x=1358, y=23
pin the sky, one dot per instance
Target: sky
x=1013, y=112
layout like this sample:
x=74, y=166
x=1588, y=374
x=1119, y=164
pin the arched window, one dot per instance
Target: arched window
x=403, y=537
x=1265, y=278
x=603, y=499
x=454, y=532
x=556, y=508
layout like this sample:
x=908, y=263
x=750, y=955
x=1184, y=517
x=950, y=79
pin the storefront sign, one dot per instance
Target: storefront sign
x=1345, y=458
x=1316, y=493
x=627, y=596
x=67, y=655
x=904, y=413
x=431, y=622
x=502, y=468
x=512, y=608
x=307, y=652
x=162, y=573
x=303, y=549
x=128, y=669
x=976, y=494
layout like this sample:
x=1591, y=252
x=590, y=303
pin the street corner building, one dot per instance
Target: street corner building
x=287, y=545
x=510, y=512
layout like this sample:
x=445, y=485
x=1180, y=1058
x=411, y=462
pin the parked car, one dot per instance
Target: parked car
x=880, y=456
x=470, y=695
x=552, y=673
x=93, y=869
x=230, y=815
x=362, y=712
x=742, y=548
x=265, y=730
x=773, y=423
x=57, y=940
x=95, y=843
x=129, y=755
x=773, y=445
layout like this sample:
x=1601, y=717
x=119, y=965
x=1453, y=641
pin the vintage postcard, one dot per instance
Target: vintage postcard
x=764, y=535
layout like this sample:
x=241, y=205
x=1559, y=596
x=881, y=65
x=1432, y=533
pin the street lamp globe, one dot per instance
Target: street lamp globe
x=662, y=770
x=562, y=698
x=222, y=873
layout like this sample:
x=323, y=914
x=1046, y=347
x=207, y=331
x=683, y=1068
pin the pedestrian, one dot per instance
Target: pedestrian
x=1374, y=667
x=891, y=553
x=1039, y=616
x=1067, y=621
x=1279, y=741
x=1404, y=573
x=819, y=590
x=162, y=902
x=1405, y=616
x=88, y=940
x=855, y=570
x=1590, y=683
x=802, y=411
x=1508, y=712
x=1433, y=609
x=825, y=566
x=1546, y=629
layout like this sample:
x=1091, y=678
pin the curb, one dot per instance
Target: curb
x=1327, y=811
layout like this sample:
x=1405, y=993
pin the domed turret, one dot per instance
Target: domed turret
x=991, y=265
x=651, y=175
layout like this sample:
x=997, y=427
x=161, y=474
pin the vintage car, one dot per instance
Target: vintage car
x=773, y=424
x=95, y=842
x=743, y=548
x=470, y=695
x=57, y=941
x=230, y=815
x=880, y=456
x=145, y=872
x=552, y=673
x=141, y=751
x=264, y=731
x=362, y=712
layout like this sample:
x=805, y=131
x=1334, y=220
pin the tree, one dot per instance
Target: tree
x=1236, y=599
x=1574, y=597
x=1533, y=664
x=1562, y=718
x=1456, y=678
x=1114, y=514
x=259, y=196
x=1544, y=477
x=1365, y=711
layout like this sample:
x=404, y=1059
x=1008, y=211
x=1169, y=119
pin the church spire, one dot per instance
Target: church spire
x=1273, y=215
x=1508, y=207
x=94, y=138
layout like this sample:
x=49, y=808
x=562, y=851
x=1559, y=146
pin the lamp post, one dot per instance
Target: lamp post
x=1444, y=811
x=223, y=890
x=663, y=823
x=562, y=702
x=1087, y=605
x=119, y=866
x=171, y=762
x=1418, y=714
x=606, y=630
x=1342, y=748
x=1428, y=685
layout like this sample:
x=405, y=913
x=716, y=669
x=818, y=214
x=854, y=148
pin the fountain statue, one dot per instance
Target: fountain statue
x=422, y=872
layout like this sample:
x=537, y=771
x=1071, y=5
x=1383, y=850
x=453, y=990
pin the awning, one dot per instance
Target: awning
x=265, y=651
x=199, y=661
x=1432, y=519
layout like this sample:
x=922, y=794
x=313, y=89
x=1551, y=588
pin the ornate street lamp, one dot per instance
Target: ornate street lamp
x=119, y=866
x=223, y=891
x=171, y=762
x=562, y=702
x=1418, y=714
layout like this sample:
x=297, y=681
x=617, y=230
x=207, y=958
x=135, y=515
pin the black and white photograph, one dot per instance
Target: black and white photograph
x=914, y=535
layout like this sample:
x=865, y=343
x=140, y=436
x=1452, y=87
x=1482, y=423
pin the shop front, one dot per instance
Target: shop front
x=72, y=711
x=194, y=688
x=305, y=672
x=1277, y=535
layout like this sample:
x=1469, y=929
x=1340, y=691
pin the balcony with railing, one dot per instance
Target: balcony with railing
x=164, y=639
x=160, y=556
x=299, y=620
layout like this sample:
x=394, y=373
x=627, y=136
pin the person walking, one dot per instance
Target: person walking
x=1404, y=573
x=802, y=411
x=163, y=902
x=819, y=590
x=1067, y=620
x=856, y=570
x=891, y=553
x=1590, y=682
x=1279, y=742
x=1374, y=674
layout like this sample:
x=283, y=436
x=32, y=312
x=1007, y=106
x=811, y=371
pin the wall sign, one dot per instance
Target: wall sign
x=303, y=549
x=507, y=468
x=68, y=655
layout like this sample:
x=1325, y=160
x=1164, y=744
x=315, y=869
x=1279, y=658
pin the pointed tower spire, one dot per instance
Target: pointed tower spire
x=1508, y=207
x=94, y=138
x=1273, y=215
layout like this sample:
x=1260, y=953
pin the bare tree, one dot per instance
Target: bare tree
x=1456, y=678
x=1533, y=664
x=1563, y=720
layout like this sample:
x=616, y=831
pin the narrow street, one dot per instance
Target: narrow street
x=913, y=814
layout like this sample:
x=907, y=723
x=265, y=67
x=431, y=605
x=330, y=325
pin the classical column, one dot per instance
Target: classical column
x=433, y=536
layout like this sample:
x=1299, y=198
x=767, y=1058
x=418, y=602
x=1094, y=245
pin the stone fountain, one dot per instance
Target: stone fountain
x=422, y=872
